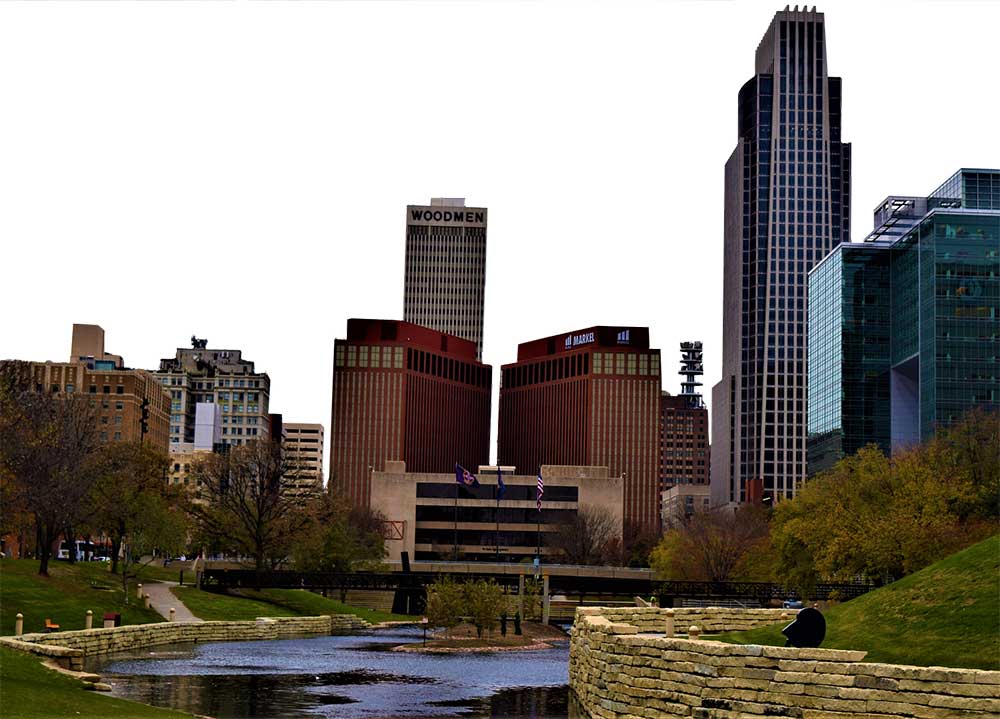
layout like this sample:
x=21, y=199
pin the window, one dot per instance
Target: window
x=107, y=389
x=104, y=419
x=118, y=436
x=118, y=419
x=119, y=405
x=55, y=388
x=69, y=388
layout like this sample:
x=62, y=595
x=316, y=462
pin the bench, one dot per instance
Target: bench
x=50, y=626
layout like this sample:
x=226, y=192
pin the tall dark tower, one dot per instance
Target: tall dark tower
x=788, y=187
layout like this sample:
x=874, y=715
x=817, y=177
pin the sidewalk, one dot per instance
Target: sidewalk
x=162, y=599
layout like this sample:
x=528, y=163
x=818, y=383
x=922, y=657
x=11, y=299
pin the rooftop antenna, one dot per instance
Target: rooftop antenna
x=692, y=367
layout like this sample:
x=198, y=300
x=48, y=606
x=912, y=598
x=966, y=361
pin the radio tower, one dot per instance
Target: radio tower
x=692, y=368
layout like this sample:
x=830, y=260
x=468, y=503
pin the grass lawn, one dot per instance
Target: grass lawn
x=29, y=690
x=947, y=614
x=64, y=596
x=271, y=603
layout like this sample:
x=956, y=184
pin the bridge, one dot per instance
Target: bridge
x=577, y=584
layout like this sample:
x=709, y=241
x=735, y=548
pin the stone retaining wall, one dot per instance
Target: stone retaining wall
x=616, y=672
x=713, y=620
x=135, y=636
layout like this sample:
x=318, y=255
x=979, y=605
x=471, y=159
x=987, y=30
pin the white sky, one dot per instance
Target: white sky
x=240, y=171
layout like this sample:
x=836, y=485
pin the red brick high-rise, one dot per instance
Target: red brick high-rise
x=684, y=442
x=590, y=397
x=405, y=392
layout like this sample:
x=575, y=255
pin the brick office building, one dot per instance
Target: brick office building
x=588, y=398
x=407, y=393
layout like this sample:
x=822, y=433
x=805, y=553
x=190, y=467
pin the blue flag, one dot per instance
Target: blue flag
x=464, y=476
x=501, y=487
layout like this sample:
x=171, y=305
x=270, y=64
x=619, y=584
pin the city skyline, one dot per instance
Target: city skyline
x=586, y=221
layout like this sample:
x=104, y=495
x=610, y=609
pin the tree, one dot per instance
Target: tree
x=336, y=535
x=883, y=518
x=484, y=600
x=587, y=536
x=129, y=476
x=710, y=546
x=47, y=443
x=244, y=501
x=445, y=603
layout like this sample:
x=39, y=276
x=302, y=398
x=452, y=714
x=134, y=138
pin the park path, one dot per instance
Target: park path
x=162, y=599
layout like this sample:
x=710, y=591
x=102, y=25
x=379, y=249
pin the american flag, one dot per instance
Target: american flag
x=541, y=491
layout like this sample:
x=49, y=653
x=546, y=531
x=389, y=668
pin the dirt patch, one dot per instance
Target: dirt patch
x=463, y=638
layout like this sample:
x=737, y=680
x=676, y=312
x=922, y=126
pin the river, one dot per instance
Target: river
x=349, y=677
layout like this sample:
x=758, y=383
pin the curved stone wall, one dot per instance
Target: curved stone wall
x=134, y=636
x=617, y=672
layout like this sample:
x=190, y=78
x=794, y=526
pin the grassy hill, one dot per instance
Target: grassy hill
x=272, y=603
x=947, y=614
x=64, y=596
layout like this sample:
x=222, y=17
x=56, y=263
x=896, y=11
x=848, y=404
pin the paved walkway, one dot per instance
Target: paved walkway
x=162, y=599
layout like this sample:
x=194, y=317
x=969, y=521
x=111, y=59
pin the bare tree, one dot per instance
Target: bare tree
x=711, y=545
x=244, y=501
x=47, y=444
x=587, y=536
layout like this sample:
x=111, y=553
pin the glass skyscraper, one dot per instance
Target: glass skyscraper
x=787, y=204
x=904, y=328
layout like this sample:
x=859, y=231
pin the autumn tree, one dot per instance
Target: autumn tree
x=587, y=536
x=711, y=546
x=883, y=518
x=47, y=445
x=244, y=501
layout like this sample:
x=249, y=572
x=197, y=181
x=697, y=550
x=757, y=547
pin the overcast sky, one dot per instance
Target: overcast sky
x=240, y=171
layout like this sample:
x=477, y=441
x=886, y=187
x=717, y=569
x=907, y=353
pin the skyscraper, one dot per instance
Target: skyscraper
x=588, y=398
x=405, y=393
x=787, y=204
x=903, y=327
x=446, y=268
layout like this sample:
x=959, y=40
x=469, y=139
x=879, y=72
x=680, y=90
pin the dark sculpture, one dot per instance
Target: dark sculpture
x=807, y=631
x=198, y=344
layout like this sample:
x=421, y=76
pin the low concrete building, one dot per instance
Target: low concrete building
x=432, y=517
x=303, y=443
x=681, y=501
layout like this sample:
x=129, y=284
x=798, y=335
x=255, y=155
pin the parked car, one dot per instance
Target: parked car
x=792, y=604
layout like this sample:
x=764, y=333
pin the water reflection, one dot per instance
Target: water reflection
x=347, y=676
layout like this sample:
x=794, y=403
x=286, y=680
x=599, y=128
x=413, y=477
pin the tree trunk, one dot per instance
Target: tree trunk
x=116, y=544
x=70, y=537
x=44, y=549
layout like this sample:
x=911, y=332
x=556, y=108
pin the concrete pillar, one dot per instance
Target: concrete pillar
x=668, y=630
x=545, y=599
x=693, y=632
x=138, y=591
x=520, y=596
x=145, y=599
x=171, y=614
x=88, y=623
x=18, y=624
x=109, y=623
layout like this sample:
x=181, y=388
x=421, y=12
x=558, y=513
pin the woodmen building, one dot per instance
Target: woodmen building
x=588, y=398
x=402, y=392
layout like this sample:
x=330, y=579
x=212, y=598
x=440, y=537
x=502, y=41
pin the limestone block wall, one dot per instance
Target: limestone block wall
x=713, y=620
x=135, y=636
x=616, y=672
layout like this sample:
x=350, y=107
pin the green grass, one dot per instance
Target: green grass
x=64, y=596
x=947, y=614
x=271, y=603
x=29, y=690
